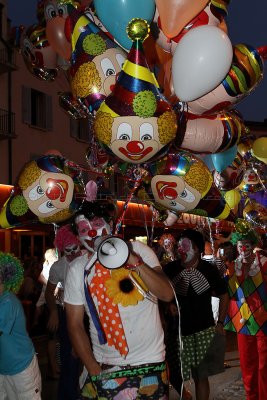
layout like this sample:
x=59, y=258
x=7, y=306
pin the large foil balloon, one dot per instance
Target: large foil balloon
x=95, y=62
x=211, y=133
x=244, y=75
x=49, y=190
x=255, y=214
x=232, y=176
x=56, y=13
x=38, y=55
x=116, y=14
x=201, y=61
x=135, y=122
x=180, y=182
x=213, y=14
x=251, y=182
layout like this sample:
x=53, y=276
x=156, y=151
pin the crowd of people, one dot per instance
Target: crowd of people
x=129, y=329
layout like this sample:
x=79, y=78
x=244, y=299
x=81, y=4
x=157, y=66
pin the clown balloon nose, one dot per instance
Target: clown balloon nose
x=135, y=122
x=49, y=190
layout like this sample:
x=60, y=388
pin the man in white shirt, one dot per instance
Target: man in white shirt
x=127, y=356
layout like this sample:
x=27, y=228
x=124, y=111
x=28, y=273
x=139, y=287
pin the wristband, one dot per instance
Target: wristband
x=133, y=267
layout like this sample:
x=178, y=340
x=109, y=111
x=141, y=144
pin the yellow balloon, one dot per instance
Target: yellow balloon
x=232, y=198
x=259, y=149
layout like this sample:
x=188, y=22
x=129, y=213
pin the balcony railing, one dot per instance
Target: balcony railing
x=7, y=61
x=7, y=125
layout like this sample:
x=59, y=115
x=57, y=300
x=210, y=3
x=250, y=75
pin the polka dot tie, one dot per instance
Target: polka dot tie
x=109, y=314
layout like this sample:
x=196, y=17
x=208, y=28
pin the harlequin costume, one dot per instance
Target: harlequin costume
x=247, y=316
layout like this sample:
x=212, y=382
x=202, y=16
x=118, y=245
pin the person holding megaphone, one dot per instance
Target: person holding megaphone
x=118, y=285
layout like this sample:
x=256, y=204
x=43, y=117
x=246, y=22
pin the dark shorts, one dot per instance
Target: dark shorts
x=213, y=362
x=138, y=382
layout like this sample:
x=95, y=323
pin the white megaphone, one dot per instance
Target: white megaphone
x=112, y=251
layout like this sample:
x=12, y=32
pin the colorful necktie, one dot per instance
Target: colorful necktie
x=109, y=314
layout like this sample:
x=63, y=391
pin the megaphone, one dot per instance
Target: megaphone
x=112, y=252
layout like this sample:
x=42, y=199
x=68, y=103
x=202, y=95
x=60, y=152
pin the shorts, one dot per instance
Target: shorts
x=213, y=361
x=25, y=385
x=136, y=382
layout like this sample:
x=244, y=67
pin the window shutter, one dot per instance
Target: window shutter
x=74, y=128
x=49, y=113
x=26, y=105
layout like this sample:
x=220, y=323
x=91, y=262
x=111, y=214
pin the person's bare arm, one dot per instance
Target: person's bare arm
x=154, y=278
x=223, y=307
x=53, y=322
x=42, y=279
x=79, y=338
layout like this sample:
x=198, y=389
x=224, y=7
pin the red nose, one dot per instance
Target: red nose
x=92, y=233
x=135, y=147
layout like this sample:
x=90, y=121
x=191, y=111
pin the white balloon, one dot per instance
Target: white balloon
x=201, y=61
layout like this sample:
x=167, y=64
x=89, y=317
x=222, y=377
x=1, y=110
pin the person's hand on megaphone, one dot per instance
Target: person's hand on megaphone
x=133, y=262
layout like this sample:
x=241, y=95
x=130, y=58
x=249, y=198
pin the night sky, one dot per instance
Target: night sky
x=247, y=23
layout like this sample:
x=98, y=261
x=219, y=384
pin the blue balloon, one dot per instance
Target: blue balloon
x=206, y=158
x=116, y=14
x=222, y=160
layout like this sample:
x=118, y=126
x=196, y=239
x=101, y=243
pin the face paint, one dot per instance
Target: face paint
x=88, y=231
x=72, y=252
x=185, y=250
x=245, y=249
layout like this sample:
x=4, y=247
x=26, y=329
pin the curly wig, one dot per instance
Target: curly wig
x=251, y=236
x=65, y=238
x=11, y=272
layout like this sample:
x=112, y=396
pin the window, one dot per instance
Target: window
x=37, y=108
x=81, y=129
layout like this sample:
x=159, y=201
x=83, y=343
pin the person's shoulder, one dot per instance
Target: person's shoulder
x=59, y=263
x=9, y=297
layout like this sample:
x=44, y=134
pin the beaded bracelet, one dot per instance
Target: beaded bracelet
x=133, y=267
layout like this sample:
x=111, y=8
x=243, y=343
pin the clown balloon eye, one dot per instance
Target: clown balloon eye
x=36, y=193
x=187, y=196
x=62, y=10
x=107, y=67
x=50, y=11
x=120, y=59
x=46, y=207
x=146, y=132
x=124, y=132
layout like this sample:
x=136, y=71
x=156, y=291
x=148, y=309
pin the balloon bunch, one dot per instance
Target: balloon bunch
x=166, y=107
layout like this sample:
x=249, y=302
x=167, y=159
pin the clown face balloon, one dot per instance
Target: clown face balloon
x=181, y=182
x=96, y=61
x=38, y=55
x=49, y=190
x=135, y=122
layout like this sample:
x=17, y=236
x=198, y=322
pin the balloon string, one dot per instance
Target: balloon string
x=125, y=206
x=258, y=175
x=211, y=239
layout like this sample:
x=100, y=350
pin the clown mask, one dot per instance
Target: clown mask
x=245, y=249
x=72, y=251
x=186, y=250
x=88, y=231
